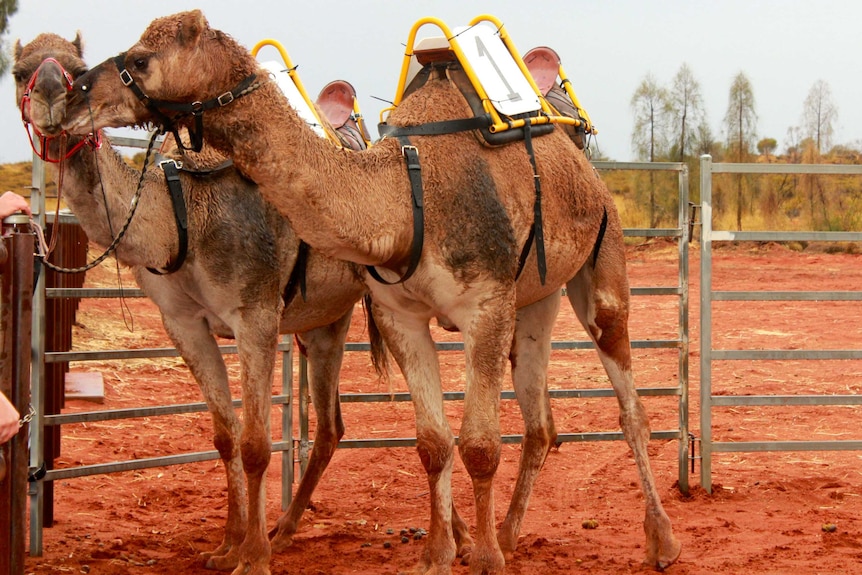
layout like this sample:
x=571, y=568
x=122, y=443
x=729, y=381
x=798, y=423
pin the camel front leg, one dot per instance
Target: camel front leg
x=600, y=298
x=325, y=349
x=531, y=351
x=409, y=340
x=257, y=338
x=488, y=332
x=200, y=352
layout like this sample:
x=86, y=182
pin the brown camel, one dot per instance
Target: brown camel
x=214, y=292
x=478, y=212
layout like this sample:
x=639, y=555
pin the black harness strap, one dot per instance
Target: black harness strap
x=297, y=275
x=175, y=187
x=195, y=109
x=436, y=128
x=414, y=172
x=601, y=236
x=536, y=233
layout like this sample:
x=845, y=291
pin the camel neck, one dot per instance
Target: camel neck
x=349, y=205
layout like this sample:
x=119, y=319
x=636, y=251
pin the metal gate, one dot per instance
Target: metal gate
x=708, y=296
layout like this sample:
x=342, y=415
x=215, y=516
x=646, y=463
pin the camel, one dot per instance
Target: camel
x=214, y=293
x=477, y=211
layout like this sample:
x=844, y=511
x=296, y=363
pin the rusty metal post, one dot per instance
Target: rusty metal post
x=16, y=306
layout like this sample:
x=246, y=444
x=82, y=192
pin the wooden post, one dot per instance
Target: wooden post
x=16, y=306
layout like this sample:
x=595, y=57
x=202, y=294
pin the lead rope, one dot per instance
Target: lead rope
x=111, y=248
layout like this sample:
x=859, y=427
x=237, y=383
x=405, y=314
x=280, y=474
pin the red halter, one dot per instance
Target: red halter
x=42, y=151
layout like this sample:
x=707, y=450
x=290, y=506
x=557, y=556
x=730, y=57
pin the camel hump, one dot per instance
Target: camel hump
x=544, y=65
x=336, y=101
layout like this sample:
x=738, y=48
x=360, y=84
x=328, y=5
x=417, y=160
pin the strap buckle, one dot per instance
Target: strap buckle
x=225, y=99
x=176, y=164
x=126, y=78
x=409, y=148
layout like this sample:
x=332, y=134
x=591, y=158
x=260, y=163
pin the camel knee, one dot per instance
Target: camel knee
x=256, y=454
x=435, y=451
x=540, y=439
x=224, y=444
x=480, y=454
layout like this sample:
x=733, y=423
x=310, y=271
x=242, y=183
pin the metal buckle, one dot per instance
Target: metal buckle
x=405, y=149
x=228, y=98
x=177, y=165
x=126, y=78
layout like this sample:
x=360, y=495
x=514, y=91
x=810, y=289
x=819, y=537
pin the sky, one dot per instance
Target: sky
x=607, y=48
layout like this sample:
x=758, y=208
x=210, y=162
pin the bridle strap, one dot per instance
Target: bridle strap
x=195, y=109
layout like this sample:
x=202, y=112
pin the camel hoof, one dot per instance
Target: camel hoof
x=666, y=559
x=221, y=562
x=280, y=541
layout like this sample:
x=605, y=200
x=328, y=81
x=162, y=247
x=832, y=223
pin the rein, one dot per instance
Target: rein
x=194, y=109
x=132, y=207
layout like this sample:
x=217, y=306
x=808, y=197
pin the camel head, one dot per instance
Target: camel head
x=179, y=59
x=44, y=71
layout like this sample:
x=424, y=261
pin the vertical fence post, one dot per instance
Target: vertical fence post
x=706, y=322
x=16, y=305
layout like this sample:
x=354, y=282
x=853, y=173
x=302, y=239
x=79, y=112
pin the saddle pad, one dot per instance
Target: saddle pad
x=336, y=102
x=289, y=89
x=544, y=66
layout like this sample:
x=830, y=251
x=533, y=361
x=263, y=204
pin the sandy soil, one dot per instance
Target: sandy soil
x=766, y=514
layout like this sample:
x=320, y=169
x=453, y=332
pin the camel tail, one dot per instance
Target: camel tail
x=379, y=353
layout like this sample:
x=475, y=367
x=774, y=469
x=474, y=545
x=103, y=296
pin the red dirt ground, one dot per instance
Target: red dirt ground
x=766, y=513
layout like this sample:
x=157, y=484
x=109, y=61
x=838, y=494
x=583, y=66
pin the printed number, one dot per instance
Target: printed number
x=483, y=51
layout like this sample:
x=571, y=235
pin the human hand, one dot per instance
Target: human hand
x=10, y=202
x=9, y=418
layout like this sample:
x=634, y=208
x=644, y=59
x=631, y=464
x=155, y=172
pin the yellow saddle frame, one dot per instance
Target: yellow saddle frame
x=291, y=70
x=548, y=114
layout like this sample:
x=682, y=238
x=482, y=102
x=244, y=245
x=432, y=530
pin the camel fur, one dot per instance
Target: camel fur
x=478, y=210
x=216, y=293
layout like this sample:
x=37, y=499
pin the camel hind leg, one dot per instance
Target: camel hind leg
x=599, y=294
x=531, y=350
x=324, y=347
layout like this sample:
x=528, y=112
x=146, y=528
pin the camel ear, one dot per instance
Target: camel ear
x=18, y=49
x=192, y=25
x=78, y=43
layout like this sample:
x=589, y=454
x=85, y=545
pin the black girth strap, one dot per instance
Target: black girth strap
x=175, y=187
x=436, y=128
x=536, y=233
x=414, y=172
x=297, y=275
x=601, y=236
x=196, y=109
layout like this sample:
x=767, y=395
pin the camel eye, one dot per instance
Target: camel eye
x=141, y=64
x=79, y=72
x=19, y=77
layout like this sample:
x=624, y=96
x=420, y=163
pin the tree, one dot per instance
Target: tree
x=766, y=147
x=7, y=9
x=650, y=107
x=649, y=138
x=819, y=115
x=686, y=109
x=741, y=122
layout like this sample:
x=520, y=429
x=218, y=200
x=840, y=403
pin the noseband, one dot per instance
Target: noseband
x=195, y=109
x=94, y=140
